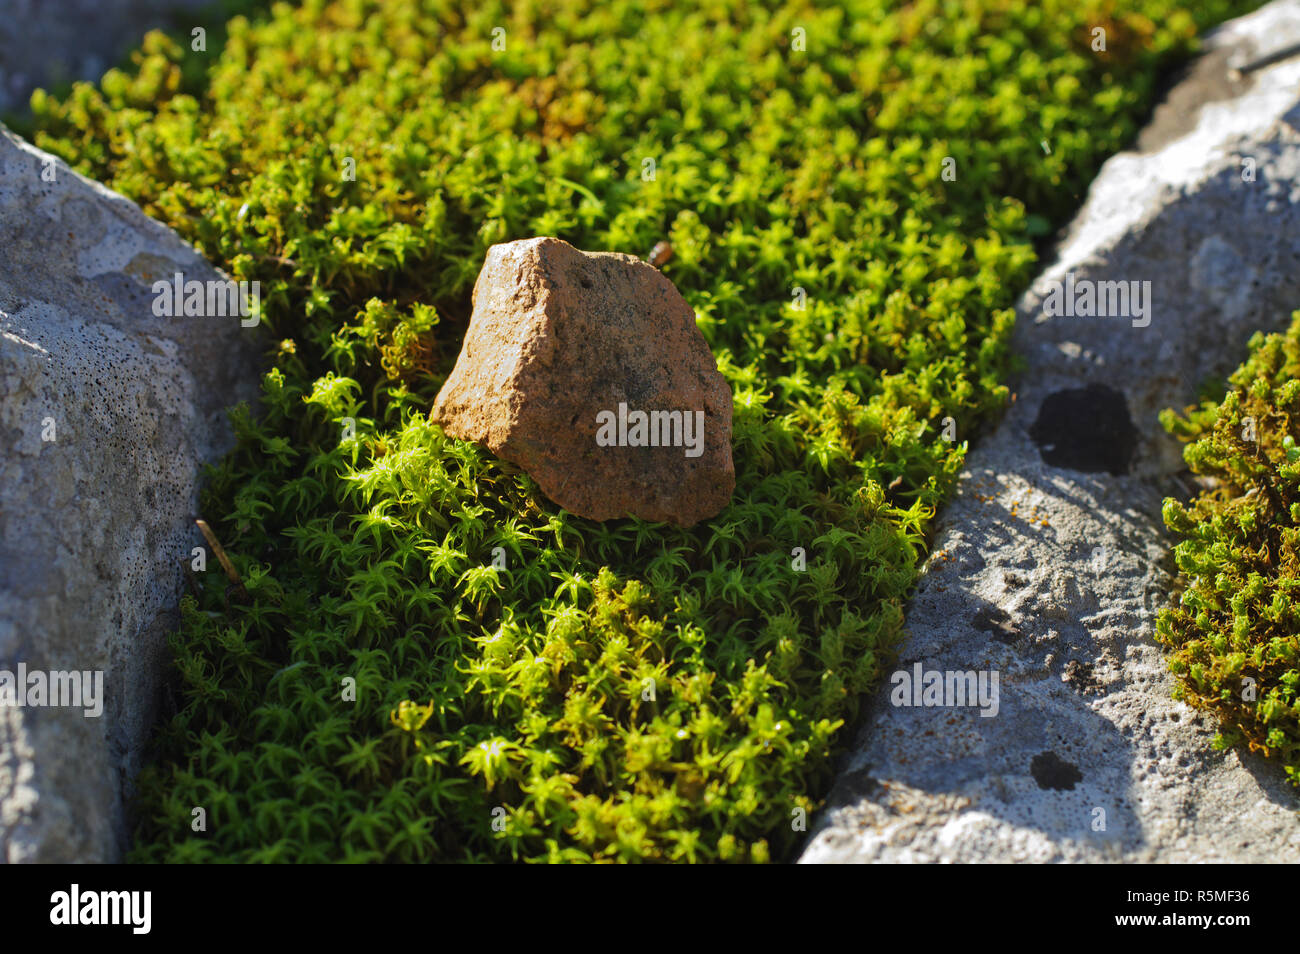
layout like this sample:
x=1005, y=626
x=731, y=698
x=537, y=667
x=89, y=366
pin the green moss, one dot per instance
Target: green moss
x=1235, y=633
x=523, y=694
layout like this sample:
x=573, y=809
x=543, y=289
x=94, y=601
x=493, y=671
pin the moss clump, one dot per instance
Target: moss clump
x=1236, y=630
x=530, y=685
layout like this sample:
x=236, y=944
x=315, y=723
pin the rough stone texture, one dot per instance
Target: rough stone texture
x=95, y=523
x=558, y=336
x=1052, y=560
x=44, y=43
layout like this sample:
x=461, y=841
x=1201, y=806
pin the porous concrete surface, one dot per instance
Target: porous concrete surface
x=43, y=43
x=1051, y=562
x=106, y=415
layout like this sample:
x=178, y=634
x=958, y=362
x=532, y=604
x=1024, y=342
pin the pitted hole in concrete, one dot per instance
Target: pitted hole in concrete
x=994, y=620
x=1051, y=771
x=1087, y=429
x=1082, y=677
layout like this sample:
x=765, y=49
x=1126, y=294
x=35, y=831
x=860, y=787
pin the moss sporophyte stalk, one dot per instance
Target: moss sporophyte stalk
x=617, y=690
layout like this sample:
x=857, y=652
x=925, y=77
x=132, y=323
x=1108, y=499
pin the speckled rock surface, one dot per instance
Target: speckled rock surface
x=1052, y=560
x=42, y=43
x=106, y=414
x=564, y=349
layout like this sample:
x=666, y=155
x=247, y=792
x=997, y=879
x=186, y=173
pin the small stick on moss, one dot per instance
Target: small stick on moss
x=221, y=555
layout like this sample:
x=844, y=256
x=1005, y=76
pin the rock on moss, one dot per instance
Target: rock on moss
x=587, y=370
x=107, y=413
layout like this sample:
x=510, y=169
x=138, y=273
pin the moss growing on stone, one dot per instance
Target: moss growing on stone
x=1235, y=632
x=615, y=691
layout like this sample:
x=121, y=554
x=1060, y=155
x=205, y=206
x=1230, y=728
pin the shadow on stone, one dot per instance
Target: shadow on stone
x=1043, y=763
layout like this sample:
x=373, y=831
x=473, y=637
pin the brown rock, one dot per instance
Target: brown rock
x=566, y=350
